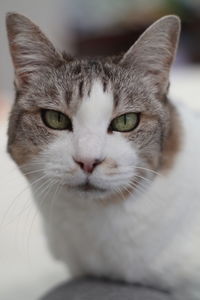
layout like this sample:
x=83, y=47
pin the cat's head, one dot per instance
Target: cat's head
x=96, y=126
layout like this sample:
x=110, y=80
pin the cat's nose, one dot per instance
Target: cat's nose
x=88, y=165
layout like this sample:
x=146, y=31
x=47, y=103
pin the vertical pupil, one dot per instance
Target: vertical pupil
x=125, y=119
x=59, y=118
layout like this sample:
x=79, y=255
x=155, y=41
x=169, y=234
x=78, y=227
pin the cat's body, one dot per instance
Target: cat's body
x=154, y=240
x=112, y=163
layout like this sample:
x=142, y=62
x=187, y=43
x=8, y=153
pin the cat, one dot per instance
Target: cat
x=112, y=163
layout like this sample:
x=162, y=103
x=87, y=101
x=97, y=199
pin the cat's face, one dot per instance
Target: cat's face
x=93, y=126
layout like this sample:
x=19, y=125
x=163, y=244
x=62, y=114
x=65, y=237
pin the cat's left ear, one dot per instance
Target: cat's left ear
x=153, y=53
x=29, y=47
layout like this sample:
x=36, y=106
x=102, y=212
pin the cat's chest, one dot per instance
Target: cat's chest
x=116, y=241
x=108, y=243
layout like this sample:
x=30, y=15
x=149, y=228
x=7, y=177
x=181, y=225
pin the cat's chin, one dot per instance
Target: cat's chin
x=90, y=192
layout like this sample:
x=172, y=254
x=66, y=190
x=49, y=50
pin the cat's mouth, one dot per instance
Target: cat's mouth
x=87, y=186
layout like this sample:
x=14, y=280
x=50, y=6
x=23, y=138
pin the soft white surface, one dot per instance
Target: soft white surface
x=26, y=268
x=185, y=86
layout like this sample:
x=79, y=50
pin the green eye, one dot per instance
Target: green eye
x=124, y=123
x=56, y=120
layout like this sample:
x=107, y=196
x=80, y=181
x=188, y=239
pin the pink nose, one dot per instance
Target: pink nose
x=88, y=165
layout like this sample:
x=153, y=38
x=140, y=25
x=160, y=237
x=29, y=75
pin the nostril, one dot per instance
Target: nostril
x=97, y=162
x=88, y=165
x=81, y=164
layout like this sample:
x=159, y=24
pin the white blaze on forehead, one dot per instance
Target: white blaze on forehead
x=92, y=120
x=97, y=107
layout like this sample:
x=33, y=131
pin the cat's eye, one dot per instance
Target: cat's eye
x=56, y=120
x=124, y=123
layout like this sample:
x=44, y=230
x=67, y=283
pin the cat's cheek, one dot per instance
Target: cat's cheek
x=118, y=169
x=122, y=152
x=57, y=157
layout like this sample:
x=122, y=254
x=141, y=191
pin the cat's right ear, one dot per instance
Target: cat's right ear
x=30, y=49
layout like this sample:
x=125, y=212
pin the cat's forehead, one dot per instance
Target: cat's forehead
x=89, y=68
x=85, y=78
x=126, y=89
x=66, y=87
x=95, y=106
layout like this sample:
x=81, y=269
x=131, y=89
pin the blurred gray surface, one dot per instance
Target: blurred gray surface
x=96, y=289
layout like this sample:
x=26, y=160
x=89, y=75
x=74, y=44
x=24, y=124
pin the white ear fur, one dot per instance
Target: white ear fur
x=29, y=47
x=153, y=53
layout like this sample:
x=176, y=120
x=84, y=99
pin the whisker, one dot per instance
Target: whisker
x=43, y=194
x=2, y=224
x=30, y=164
x=53, y=199
x=29, y=209
x=144, y=178
x=35, y=171
x=120, y=192
x=137, y=185
x=149, y=170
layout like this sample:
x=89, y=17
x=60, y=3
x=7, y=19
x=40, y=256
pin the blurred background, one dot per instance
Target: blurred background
x=81, y=27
